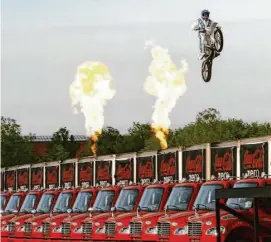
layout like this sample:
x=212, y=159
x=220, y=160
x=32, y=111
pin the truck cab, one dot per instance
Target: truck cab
x=31, y=201
x=62, y=226
x=173, y=227
x=22, y=228
x=203, y=228
x=181, y=199
x=153, y=200
x=12, y=208
x=37, y=228
x=106, y=198
x=126, y=203
x=5, y=196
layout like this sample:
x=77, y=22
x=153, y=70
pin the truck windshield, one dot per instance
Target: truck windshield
x=151, y=199
x=82, y=202
x=3, y=201
x=126, y=200
x=29, y=203
x=45, y=203
x=241, y=203
x=13, y=204
x=179, y=198
x=206, y=197
x=104, y=201
x=63, y=202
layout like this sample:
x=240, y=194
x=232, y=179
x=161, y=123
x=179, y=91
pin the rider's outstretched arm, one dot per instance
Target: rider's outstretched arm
x=195, y=26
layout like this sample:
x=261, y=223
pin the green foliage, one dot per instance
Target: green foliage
x=15, y=148
x=208, y=127
x=63, y=146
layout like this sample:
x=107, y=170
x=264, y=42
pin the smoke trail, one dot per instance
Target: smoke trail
x=167, y=83
x=90, y=91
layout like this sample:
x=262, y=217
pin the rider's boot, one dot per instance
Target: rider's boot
x=217, y=54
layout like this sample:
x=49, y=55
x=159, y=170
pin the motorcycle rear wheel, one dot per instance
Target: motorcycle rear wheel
x=219, y=47
x=206, y=70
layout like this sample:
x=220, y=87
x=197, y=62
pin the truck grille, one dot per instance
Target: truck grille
x=135, y=228
x=11, y=227
x=66, y=228
x=45, y=228
x=163, y=229
x=110, y=228
x=87, y=228
x=195, y=228
x=27, y=227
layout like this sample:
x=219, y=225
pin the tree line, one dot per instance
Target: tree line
x=208, y=127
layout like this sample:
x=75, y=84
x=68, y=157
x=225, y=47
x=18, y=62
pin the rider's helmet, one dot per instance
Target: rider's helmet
x=205, y=14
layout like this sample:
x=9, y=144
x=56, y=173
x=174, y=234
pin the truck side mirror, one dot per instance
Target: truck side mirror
x=33, y=211
x=1, y=211
x=113, y=209
x=90, y=209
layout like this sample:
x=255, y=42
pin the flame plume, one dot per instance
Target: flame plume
x=90, y=91
x=167, y=84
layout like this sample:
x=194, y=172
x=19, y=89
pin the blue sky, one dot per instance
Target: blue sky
x=44, y=41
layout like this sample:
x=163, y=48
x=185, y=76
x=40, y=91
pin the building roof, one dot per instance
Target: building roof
x=42, y=138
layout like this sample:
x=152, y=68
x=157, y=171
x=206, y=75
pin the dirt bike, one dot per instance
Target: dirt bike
x=213, y=45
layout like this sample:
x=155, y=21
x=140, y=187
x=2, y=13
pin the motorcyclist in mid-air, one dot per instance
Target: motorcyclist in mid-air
x=200, y=25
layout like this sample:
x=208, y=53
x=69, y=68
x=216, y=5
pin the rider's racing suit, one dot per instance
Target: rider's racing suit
x=200, y=25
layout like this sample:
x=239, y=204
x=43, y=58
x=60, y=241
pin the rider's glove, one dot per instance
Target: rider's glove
x=197, y=28
x=202, y=30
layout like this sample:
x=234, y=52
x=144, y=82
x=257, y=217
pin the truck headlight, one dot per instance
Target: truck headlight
x=5, y=228
x=212, y=231
x=74, y=223
x=151, y=230
x=100, y=230
x=181, y=231
x=21, y=229
x=79, y=230
x=54, y=223
x=34, y=223
x=4, y=222
x=17, y=223
x=125, y=230
x=38, y=229
x=57, y=230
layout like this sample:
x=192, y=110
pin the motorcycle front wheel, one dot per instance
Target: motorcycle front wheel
x=206, y=70
x=219, y=40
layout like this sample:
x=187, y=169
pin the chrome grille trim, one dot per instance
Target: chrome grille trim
x=87, y=228
x=11, y=227
x=45, y=228
x=110, y=228
x=194, y=228
x=66, y=228
x=27, y=227
x=163, y=229
x=135, y=228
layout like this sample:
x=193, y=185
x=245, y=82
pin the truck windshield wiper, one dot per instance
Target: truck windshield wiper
x=99, y=209
x=9, y=211
x=77, y=209
x=146, y=208
x=40, y=211
x=57, y=210
x=24, y=210
x=202, y=205
x=238, y=205
x=122, y=208
x=174, y=206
